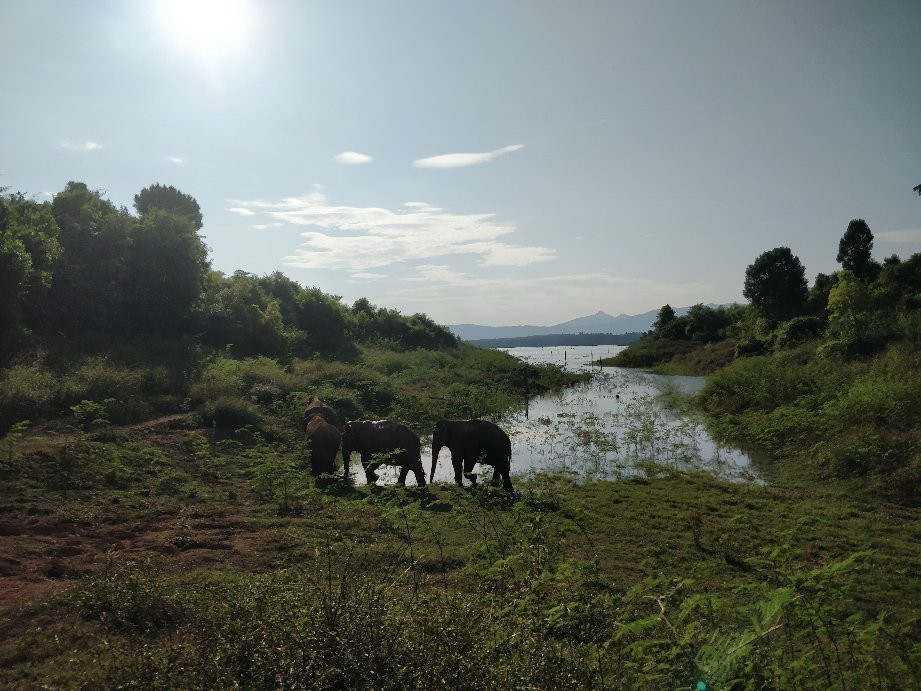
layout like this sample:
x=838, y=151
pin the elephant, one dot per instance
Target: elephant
x=472, y=442
x=392, y=443
x=318, y=407
x=322, y=435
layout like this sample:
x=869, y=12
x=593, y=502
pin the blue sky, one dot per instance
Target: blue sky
x=495, y=162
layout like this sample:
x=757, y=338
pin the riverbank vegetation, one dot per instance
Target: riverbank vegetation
x=824, y=377
x=159, y=527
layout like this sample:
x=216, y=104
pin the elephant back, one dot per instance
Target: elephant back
x=318, y=408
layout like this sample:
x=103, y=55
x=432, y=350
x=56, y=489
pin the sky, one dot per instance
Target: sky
x=488, y=161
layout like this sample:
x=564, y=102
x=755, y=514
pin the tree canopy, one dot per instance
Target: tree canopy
x=854, y=250
x=775, y=283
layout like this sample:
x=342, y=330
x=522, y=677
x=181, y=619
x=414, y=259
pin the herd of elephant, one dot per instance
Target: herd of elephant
x=380, y=442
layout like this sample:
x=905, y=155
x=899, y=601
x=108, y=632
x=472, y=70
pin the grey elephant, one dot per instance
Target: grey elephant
x=472, y=442
x=319, y=426
x=380, y=442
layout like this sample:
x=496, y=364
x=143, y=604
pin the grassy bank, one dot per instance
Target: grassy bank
x=237, y=572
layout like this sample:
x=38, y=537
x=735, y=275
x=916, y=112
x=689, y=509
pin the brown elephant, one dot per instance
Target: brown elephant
x=472, y=442
x=380, y=442
x=323, y=436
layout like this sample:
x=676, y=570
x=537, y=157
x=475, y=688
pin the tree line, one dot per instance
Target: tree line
x=78, y=267
x=857, y=310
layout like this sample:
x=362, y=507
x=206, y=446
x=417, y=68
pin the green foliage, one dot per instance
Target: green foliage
x=91, y=415
x=854, y=250
x=169, y=199
x=775, y=283
x=128, y=599
x=230, y=413
x=797, y=331
x=165, y=273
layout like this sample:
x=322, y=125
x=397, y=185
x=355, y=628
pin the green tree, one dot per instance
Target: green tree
x=238, y=314
x=706, y=324
x=849, y=313
x=818, y=294
x=89, y=276
x=855, y=248
x=663, y=318
x=166, y=270
x=159, y=196
x=28, y=250
x=775, y=284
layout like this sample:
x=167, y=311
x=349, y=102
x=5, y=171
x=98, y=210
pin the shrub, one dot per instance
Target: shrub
x=231, y=412
x=798, y=330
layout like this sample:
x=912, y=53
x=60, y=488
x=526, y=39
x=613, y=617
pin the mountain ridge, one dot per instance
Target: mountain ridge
x=599, y=322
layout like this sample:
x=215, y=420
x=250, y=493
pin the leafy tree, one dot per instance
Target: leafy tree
x=89, y=275
x=159, y=196
x=666, y=314
x=898, y=285
x=706, y=324
x=854, y=250
x=849, y=313
x=818, y=294
x=28, y=250
x=165, y=276
x=775, y=283
x=239, y=315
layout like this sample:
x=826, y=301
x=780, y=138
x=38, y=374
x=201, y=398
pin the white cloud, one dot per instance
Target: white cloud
x=241, y=211
x=263, y=226
x=178, y=160
x=367, y=276
x=905, y=236
x=50, y=195
x=362, y=238
x=462, y=160
x=353, y=158
x=82, y=146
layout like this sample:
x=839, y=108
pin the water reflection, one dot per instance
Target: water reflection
x=613, y=425
x=610, y=427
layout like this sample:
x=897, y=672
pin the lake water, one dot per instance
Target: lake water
x=607, y=428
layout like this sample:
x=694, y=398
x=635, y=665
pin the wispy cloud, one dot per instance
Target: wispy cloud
x=367, y=276
x=353, y=158
x=263, y=226
x=902, y=237
x=178, y=160
x=81, y=146
x=362, y=238
x=241, y=211
x=462, y=160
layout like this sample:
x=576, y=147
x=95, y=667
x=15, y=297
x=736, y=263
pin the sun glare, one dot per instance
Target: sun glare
x=211, y=31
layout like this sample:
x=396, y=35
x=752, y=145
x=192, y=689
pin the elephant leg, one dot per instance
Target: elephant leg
x=370, y=467
x=419, y=472
x=507, y=481
x=469, y=462
x=457, y=462
x=495, y=476
x=404, y=471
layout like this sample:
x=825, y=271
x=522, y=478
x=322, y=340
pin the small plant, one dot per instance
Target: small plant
x=92, y=415
x=11, y=438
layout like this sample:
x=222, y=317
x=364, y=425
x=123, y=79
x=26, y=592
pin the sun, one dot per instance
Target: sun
x=210, y=31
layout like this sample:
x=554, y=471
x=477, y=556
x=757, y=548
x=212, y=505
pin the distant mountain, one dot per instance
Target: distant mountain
x=539, y=340
x=600, y=322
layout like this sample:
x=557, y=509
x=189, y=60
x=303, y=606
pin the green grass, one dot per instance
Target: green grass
x=182, y=553
x=233, y=579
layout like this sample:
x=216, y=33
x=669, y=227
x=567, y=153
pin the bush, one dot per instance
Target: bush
x=231, y=412
x=797, y=331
